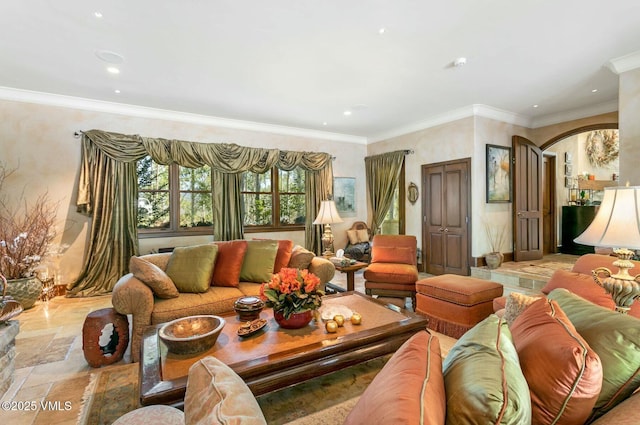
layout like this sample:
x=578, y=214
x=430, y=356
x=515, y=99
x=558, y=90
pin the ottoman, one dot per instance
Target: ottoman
x=454, y=304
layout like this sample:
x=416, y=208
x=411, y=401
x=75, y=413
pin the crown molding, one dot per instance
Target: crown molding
x=18, y=95
x=575, y=114
x=454, y=115
x=625, y=63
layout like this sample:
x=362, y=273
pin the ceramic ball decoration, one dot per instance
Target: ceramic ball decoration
x=331, y=326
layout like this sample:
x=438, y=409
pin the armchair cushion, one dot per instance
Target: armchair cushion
x=389, y=254
x=564, y=374
x=154, y=277
x=614, y=337
x=191, y=267
x=259, y=261
x=229, y=262
x=391, y=273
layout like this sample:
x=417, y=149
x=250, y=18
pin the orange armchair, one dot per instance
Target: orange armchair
x=393, y=271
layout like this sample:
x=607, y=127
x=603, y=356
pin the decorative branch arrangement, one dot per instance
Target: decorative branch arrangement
x=496, y=235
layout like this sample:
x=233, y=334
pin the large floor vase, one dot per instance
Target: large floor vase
x=295, y=321
x=26, y=290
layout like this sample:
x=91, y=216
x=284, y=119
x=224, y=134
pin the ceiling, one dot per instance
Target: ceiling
x=302, y=63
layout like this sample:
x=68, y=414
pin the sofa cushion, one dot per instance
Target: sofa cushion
x=564, y=374
x=191, y=267
x=283, y=256
x=156, y=415
x=409, y=389
x=154, y=277
x=580, y=284
x=614, y=337
x=483, y=380
x=516, y=304
x=258, y=261
x=229, y=262
x=300, y=258
x=217, y=300
x=217, y=395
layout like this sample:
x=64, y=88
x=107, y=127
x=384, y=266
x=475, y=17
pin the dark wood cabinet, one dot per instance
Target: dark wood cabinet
x=575, y=219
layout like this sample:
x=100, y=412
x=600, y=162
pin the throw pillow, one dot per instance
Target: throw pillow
x=483, y=378
x=258, y=261
x=409, y=387
x=285, y=249
x=154, y=277
x=191, y=267
x=300, y=258
x=581, y=285
x=614, y=337
x=229, y=263
x=217, y=395
x=353, y=236
x=564, y=374
x=363, y=235
x=516, y=304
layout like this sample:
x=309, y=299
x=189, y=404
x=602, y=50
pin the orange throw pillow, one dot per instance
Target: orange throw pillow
x=285, y=249
x=229, y=263
x=409, y=387
x=580, y=284
x=563, y=372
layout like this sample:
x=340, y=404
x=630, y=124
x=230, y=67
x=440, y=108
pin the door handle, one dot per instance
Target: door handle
x=520, y=214
x=446, y=229
x=440, y=229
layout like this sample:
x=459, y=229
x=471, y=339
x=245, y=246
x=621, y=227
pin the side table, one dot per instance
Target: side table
x=95, y=324
x=350, y=270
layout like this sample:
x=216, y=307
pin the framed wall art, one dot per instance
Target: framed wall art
x=344, y=195
x=498, y=174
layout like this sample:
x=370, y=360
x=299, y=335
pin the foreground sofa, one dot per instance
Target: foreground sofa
x=204, y=279
x=549, y=363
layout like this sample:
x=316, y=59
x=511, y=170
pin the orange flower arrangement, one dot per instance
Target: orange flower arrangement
x=292, y=291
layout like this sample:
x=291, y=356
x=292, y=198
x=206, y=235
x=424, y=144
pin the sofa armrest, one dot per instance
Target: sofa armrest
x=626, y=413
x=324, y=269
x=131, y=296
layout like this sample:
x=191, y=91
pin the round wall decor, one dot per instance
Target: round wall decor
x=412, y=193
x=602, y=147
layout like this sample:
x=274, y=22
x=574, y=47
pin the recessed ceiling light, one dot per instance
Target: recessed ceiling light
x=535, y=106
x=113, y=70
x=109, y=57
x=97, y=14
x=347, y=113
x=116, y=91
x=325, y=123
x=459, y=62
x=382, y=30
x=594, y=90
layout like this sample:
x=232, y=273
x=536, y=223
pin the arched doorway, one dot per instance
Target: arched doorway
x=567, y=156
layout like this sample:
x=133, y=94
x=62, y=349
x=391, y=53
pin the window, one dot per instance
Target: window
x=274, y=200
x=173, y=199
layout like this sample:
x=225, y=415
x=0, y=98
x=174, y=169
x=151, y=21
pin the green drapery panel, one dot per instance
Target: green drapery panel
x=108, y=190
x=383, y=173
x=319, y=187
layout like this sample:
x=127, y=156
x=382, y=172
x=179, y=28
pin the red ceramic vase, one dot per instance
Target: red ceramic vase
x=295, y=321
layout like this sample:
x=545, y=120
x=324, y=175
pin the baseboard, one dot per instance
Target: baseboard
x=480, y=262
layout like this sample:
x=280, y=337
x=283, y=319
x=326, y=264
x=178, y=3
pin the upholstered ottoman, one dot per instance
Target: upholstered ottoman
x=453, y=303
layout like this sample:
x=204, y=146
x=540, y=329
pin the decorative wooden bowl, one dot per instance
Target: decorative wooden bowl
x=192, y=334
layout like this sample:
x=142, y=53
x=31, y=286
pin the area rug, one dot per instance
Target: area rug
x=546, y=269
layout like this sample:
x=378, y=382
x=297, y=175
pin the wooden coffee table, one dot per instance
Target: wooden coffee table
x=275, y=358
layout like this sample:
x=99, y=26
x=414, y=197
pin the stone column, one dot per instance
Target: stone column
x=8, y=333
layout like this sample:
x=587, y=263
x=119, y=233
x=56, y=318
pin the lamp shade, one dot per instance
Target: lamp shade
x=328, y=213
x=617, y=222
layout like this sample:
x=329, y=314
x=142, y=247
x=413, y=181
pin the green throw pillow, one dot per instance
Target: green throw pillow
x=614, y=337
x=483, y=380
x=258, y=261
x=191, y=267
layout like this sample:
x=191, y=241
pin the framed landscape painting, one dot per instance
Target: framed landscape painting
x=498, y=174
x=344, y=195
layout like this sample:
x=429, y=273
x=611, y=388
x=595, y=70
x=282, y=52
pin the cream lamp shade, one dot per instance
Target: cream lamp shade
x=617, y=225
x=327, y=215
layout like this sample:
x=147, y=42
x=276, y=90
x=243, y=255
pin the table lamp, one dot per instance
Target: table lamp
x=327, y=215
x=617, y=225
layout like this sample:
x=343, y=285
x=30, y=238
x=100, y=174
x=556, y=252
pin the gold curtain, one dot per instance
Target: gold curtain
x=383, y=173
x=108, y=190
x=319, y=187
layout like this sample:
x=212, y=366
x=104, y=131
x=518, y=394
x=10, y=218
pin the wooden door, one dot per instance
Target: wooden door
x=527, y=204
x=549, y=237
x=445, y=206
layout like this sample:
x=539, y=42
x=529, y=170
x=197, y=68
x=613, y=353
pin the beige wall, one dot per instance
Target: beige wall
x=630, y=126
x=38, y=139
x=542, y=135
